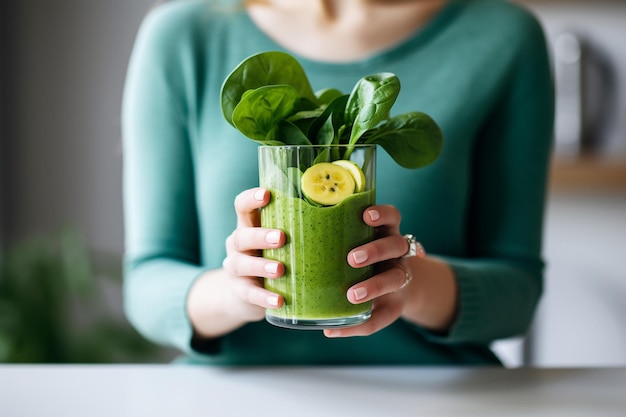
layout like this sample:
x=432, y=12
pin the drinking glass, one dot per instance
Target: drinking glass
x=319, y=236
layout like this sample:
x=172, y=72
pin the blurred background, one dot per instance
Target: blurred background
x=62, y=69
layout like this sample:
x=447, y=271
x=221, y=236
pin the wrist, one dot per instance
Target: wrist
x=431, y=297
x=206, y=307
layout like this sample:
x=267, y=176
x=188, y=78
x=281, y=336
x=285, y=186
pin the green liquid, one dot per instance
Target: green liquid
x=317, y=273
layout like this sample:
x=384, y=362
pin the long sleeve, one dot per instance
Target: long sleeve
x=501, y=279
x=160, y=211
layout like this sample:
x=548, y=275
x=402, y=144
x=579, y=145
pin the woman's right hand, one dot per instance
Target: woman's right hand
x=243, y=260
x=223, y=300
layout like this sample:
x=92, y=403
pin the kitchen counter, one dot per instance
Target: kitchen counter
x=588, y=173
x=170, y=390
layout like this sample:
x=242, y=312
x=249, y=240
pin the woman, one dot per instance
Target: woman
x=478, y=67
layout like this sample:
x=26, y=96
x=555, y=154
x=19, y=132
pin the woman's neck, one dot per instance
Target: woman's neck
x=341, y=30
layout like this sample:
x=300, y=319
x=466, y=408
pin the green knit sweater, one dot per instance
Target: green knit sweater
x=480, y=69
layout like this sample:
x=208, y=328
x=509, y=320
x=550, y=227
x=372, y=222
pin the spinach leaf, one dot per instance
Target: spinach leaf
x=413, y=139
x=289, y=134
x=269, y=99
x=326, y=134
x=325, y=96
x=304, y=119
x=260, y=110
x=267, y=68
x=325, y=129
x=370, y=103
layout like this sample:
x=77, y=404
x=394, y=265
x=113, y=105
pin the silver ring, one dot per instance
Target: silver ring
x=407, y=276
x=415, y=248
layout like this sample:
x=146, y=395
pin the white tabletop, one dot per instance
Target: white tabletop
x=186, y=391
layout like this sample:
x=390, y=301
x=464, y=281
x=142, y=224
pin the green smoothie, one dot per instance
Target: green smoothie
x=317, y=274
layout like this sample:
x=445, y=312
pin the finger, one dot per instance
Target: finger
x=252, y=266
x=386, y=217
x=251, y=292
x=383, y=249
x=385, y=310
x=250, y=299
x=247, y=204
x=387, y=282
x=254, y=238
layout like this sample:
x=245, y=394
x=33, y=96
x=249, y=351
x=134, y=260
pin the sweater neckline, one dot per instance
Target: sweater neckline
x=420, y=37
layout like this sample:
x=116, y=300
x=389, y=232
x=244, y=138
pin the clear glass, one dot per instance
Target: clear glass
x=317, y=274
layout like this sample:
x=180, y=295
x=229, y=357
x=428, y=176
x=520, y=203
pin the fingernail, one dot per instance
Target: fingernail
x=332, y=333
x=359, y=293
x=374, y=215
x=272, y=237
x=272, y=300
x=359, y=256
x=259, y=195
x=271, y=268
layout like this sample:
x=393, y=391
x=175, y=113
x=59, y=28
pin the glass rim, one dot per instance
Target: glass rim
x=335, y=145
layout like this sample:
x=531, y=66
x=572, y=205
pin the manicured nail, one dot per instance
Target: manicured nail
x=359, y=256
x=272, y=237
x=359, y=293
x=272, y=300
x=259, y=195
x=374, y=215
x=271, y=268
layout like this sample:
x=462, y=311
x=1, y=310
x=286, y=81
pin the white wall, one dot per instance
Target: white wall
x=65, y=162
x=582, y=318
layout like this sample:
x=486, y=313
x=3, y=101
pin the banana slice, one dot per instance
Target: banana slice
x=355, y=171
x=327, y=183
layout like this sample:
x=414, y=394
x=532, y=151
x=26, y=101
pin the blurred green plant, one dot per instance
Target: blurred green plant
x=53, y=309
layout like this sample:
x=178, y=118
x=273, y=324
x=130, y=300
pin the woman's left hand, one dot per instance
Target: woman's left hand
x=383, y=289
